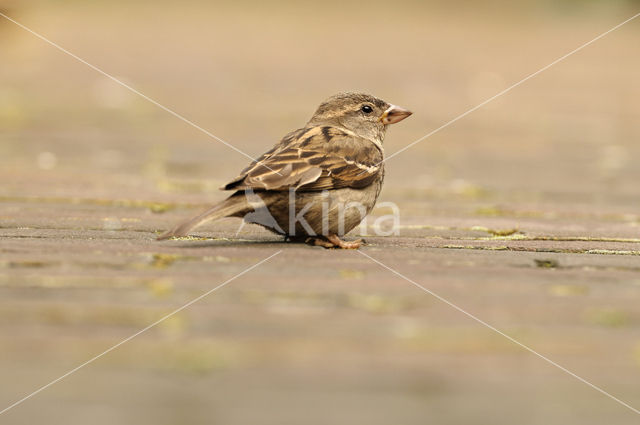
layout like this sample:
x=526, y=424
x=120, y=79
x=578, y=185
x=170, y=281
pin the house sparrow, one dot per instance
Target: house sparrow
x=318, y=182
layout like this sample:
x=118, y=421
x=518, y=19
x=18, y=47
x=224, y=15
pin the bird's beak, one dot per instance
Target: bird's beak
x=394, y=114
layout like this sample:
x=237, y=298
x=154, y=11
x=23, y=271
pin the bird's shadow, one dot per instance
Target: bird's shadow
x=279, y=242
x=233, y=243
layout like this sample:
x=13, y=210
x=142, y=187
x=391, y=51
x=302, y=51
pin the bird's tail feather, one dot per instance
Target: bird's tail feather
x=229, y=207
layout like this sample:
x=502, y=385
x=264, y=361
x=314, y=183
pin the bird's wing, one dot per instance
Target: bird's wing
x=313, y=158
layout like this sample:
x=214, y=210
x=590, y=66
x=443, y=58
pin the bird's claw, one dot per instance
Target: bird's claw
x=333, y=241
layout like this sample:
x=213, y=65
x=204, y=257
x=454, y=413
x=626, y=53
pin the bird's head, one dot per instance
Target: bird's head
x=363, y=114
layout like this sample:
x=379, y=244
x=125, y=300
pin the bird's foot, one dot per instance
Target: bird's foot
x=333, y=241
x=339, y=243
x=330, y=241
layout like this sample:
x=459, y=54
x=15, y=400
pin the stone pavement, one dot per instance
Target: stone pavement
x=324, y=335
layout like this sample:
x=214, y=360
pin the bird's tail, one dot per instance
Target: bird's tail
x=231, y=206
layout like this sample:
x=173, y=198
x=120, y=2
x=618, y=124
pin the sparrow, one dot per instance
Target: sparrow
x=319, y=181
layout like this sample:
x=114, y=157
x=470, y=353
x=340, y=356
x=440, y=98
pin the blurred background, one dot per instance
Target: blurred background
x=249, y=72
x=563, y=145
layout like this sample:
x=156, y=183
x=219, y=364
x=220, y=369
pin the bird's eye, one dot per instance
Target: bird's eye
x=366, y=109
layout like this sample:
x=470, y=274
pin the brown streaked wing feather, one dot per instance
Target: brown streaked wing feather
x=314, y=158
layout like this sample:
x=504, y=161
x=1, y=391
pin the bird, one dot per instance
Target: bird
x=319, y=181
